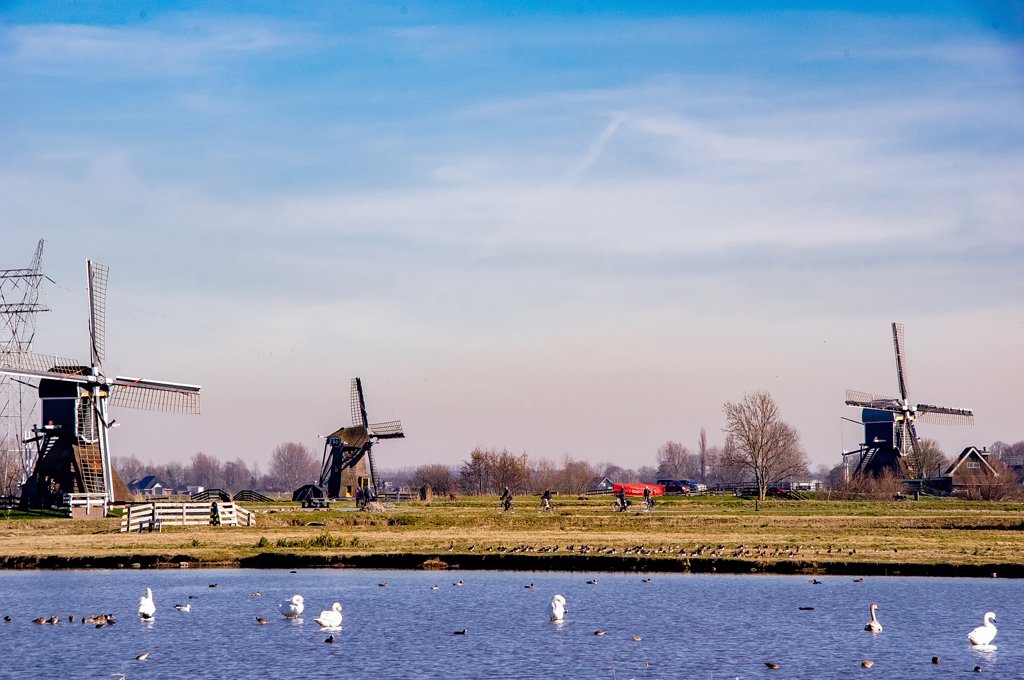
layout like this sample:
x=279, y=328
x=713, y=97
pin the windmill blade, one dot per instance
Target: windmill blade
x=32, y=365
x=901, y=359
x=392, y=429
x=154, y=395
x=943, y=415
x=97, y=310
x=358, y=403
x=868, y=400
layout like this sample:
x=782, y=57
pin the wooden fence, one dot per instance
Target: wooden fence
x=154, y=516
x=84, y=505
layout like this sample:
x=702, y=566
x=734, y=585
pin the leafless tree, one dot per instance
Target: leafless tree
x=702, y=454
x=475, y=473
x=931, y=461
x=206, y=470
x=129, y=468
x=676, y=462
x=438, y=476
x=10, y=470
x=766, y=446
x=575, y=475
x=237, y=476
x=293, y=464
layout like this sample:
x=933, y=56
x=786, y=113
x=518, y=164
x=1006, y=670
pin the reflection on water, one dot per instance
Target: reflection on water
x=675, y=626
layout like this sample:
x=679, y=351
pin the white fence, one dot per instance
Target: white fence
x=154, y=516
x=80, y=505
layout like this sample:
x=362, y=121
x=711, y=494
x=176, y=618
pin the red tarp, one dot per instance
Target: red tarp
x=638, y=489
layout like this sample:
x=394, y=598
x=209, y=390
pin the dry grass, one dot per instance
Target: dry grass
x=817, y=532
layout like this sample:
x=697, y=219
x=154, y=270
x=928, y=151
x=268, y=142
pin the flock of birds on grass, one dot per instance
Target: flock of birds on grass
x=980, y=638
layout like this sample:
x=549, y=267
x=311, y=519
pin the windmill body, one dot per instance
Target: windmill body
x=73, y=452
x=348, y=463
x=890, y=434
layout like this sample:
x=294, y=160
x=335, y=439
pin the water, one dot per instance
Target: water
x=692, y=626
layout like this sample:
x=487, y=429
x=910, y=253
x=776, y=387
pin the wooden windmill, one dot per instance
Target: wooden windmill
x=73, y=448
x=890, y=438
x=348, y=452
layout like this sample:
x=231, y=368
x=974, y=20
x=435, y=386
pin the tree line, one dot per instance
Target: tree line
x=759, y=447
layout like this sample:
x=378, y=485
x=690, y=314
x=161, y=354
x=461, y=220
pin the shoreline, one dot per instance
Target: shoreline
x=519, y=562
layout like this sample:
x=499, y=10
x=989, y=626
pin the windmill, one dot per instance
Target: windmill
x=73, y=452
x=889, y=433
x=348, y=452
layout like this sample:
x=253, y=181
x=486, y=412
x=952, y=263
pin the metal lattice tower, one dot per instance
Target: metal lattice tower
x=19, y=403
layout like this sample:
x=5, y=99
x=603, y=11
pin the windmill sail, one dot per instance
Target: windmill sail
x=97, y=311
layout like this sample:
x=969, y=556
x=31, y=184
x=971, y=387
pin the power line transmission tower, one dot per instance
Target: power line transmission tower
x=19, y=402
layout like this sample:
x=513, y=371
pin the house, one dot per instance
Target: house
x=150, y=485
x=968, y=473
x=600, y=484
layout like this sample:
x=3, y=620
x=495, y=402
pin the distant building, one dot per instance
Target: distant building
x=598, y=484
x=150, y=485
x=970, y=469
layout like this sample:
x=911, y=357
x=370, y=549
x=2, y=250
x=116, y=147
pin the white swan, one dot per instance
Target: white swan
x=984, y=635
x=330, y=618
x=557, y=608
x=873, y=625
x=146, y=606
x=293, y=607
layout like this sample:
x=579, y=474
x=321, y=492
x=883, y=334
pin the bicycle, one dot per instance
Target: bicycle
x=647, y=505
x=545, y=505
x=506, y=506
x=618, y=506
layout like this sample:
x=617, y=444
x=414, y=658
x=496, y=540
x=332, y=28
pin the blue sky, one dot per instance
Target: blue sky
x=572, y=228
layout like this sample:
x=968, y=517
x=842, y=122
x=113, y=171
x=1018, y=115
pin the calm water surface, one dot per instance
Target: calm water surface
x=692, y=626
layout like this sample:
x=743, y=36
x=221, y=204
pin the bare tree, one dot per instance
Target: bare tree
x=292, y=465
x=931, y=461
x=702, y=454
x=766, y=446
x=237, y=476
x=676, y=462
x=475, y=473
x=129, y=468
x=206, y=471
x=575, y=475
x=10, y=470
x=439, y=477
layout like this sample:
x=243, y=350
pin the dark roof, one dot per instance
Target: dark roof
x=149, y=482
x=964, y=455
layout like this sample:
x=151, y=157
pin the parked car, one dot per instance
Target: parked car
x=694, y=487
x=674, y=485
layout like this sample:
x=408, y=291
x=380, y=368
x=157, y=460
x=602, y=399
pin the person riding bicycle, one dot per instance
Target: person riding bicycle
x=545, y=499
x=620, y=497
x=506, y=499
x=648, y=500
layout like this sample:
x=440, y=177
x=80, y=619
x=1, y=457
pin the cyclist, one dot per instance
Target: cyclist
x=620, y=498
x=648, y=500
x=545, y=499
x=506, y=499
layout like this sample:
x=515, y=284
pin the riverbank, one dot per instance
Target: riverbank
x=939, y=537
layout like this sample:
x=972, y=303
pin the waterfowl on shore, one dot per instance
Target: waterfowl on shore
x=147, y=608
x=873, y=626
x=292, y=608
x=983, y=635
x=330, y=618
x=557, y=608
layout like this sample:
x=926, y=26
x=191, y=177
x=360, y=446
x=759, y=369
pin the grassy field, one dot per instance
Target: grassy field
x=701, y=534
